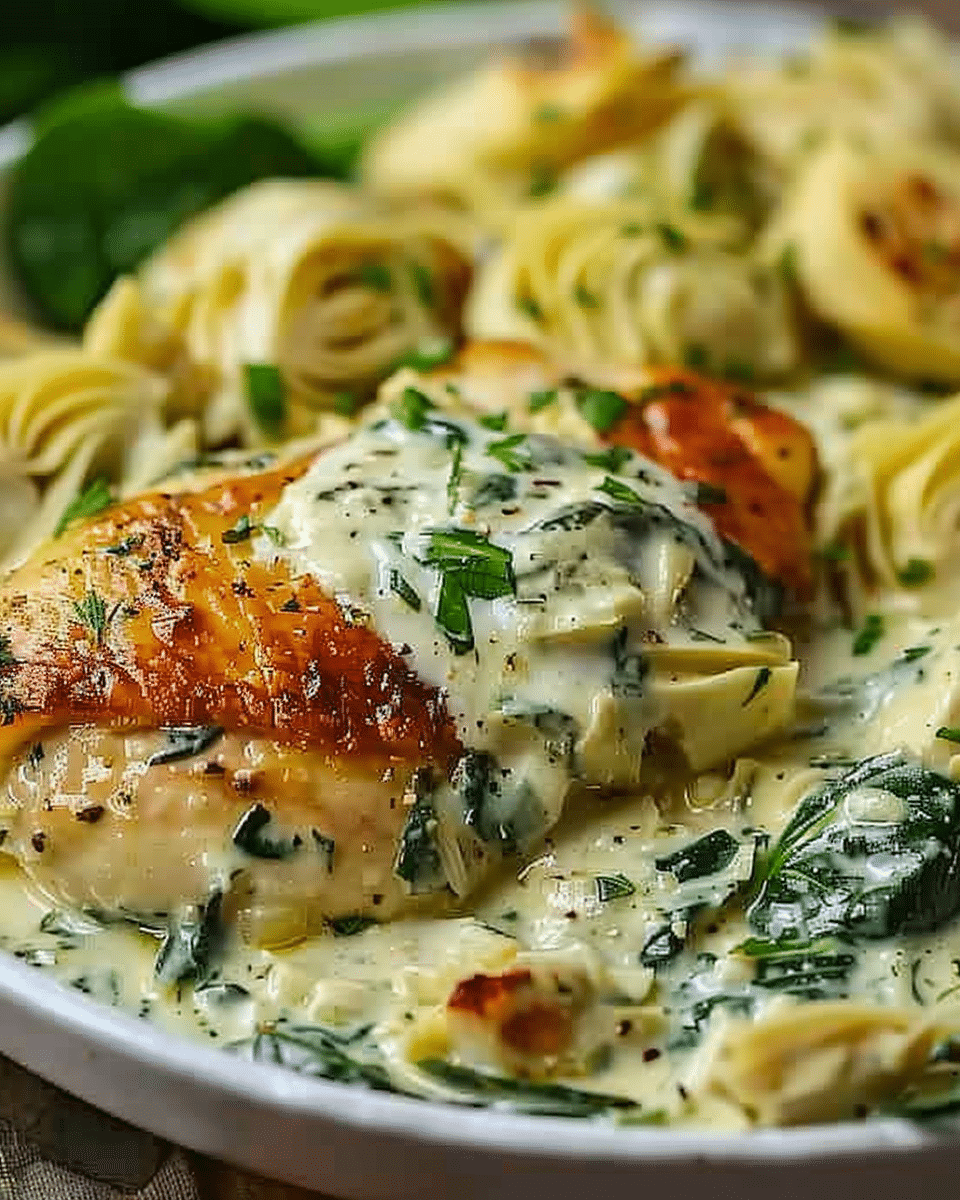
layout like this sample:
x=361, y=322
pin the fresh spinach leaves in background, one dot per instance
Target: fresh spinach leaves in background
x=105, y=183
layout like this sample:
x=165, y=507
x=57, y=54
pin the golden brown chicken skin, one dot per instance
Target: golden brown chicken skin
x=181, y=717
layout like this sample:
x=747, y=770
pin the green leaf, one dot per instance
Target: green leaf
x=92, y=500
x=585, y=298
x=411, y=409
x=530, y=308
x=820, y=879
x=673, y=238
x=343, y=1056
x=418, y=860
x=374, y=275
x=495, y=421
x=620, y=491
x=267, y=397
x=484, y=571
x=505, y=451
x=400, y=587
x=455, y=477
x=613, y=887
x=916, y=573
x=106, y=183
x=870, y=633
x=428, y=354
x=351, y=925
x=240, y=531
x=347, y=404
x=521, y=1095
x=541, y=400
x=423, y=284
x=92, y=612
x=453, y=614
x=250, y=836
x=764, y=675
x=613, y=459
x=600, y=409
x=949, y=733
x=185, y=741
x=706, y=856
x=193, y=944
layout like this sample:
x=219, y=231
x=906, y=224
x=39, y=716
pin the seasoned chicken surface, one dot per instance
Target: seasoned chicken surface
x=161, y=615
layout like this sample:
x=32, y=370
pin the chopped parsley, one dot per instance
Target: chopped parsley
x=93, y=499
x=266, y=396
x=613, y=887
x=430, y=353
x=455, y=476
x=400, y=587
x=471, y=567
x=541, y=400
x=530, y=308
x=949, y=733
x=374, y=275
x=601, y=409
x=495, y=421
x=672, y=238
x=92, y=612
x=869, y=634
x=239, y=532
x=764, y=675
x=912, y=653
x=612, y=459
x=916, y=572
x=619, y=491
x=423, y=284
x=585, y=298
x=542, y=182
x=505, y=451
x=411, y=409
x=346, y=404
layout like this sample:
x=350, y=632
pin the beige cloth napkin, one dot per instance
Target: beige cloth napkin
x=54, y=1147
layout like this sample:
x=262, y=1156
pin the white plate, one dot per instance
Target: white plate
x=347, y=1141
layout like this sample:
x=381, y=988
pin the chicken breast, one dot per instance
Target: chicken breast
x=183, y=718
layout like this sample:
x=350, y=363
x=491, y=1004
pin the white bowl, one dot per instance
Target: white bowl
x=346, y=1141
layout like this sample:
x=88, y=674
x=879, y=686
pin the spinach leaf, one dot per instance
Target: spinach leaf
x=499, y=810
x=106, y=183
x=871, y=854
x=250, y=836
x=521, y=1095
x=712, y=853
x=193, y=943
x=317, y=1051
x=418, y=860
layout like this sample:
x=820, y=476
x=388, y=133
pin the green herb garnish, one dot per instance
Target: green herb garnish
x=495, y=421
x=612, y=459
x=267, y=397
x=764, y=675
x=239, y=532
x=471, y=566
x=428, y=354
x=707, y=856
x=455, y=476
x=619, y=491
x=505, y=451
x=92, y=500
x=541, y=400
x=601, y=409
x=521, y=1095
x=673, y=238
x=350, y=925
x=423, y=283
x=585, y=298
x=92, y=612
x=411, y=409
x=916, y=572
x=250, y=837
x=374, y=275
x=613, y=887
x=870, y=633
x=530, y=308
x=949, y=733
x=347, y=404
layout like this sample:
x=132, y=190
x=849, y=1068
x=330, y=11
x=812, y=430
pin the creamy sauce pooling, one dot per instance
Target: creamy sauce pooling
x=566, y=604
